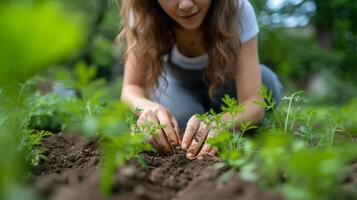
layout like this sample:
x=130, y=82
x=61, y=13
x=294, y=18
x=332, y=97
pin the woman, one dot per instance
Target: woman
x=182, y=57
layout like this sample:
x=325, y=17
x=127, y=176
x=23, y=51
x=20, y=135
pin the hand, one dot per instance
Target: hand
x=166, y=137
x=194, y=139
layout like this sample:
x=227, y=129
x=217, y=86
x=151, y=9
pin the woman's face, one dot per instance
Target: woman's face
x=189, y=14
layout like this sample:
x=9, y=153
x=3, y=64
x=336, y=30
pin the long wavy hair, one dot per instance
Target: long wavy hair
x=150, y=29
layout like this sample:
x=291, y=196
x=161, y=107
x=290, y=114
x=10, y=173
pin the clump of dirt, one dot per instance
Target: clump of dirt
x=349, y=186
x=71, y=172
x=65, y=152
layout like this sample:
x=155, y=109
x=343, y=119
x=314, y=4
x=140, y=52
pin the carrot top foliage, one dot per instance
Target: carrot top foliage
x=300, y=150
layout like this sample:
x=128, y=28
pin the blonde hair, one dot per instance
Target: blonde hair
x=152, y=37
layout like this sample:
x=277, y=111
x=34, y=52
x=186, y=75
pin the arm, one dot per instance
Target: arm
x=248, y=83
x=133, y=84
x=133, y=93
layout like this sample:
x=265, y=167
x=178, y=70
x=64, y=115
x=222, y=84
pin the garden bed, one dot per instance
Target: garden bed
x=71, y=171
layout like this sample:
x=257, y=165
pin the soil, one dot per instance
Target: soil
x=350, y=182
x=71, y=172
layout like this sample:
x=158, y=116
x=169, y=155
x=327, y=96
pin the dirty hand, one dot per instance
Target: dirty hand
x=194, y=139
x=164, y=138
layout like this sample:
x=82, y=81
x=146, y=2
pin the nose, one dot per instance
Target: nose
x=186, y=5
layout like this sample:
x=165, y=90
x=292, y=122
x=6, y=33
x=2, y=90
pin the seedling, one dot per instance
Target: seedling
x=294, y=97
x=31, y=143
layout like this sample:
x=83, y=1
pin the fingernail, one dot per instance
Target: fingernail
x=184, y=146
x=189, y=155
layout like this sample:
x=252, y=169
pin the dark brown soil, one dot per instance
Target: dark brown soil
x=350, y=182
x=65, y=152
x=71, y=172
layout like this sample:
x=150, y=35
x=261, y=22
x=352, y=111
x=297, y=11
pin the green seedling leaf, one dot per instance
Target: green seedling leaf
x=220, y=139
x=246, y=126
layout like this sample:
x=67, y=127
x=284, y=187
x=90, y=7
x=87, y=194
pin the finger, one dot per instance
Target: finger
x=145, y=118
x=153, y=143
x=197, y=141
x=140, y=121
x=204, y=151
x=213, y=151
x=191, y=128
x=177, y=128
x=158, y=136
x=161, y=139
x=164, y=119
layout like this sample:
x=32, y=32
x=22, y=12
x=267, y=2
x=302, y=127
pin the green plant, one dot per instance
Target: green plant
x=269, y=104
x=295, y=150
x=23, y=55
x=120, y=139
x=233, y=149
x=294, y=97
x=30, y=144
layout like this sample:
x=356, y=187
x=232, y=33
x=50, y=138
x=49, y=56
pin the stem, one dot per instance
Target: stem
x=287, y=115
x=292, y=124
x=277, y=119
x=89, y=109
x=309, y=119
x=317, y=145
x=333, y=134
x=234, y=128
x=234, y=122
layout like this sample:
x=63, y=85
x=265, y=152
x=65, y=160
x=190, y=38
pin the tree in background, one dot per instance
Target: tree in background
x=300, y=38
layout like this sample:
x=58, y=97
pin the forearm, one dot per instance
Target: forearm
x=252, y=112
x=135, y=97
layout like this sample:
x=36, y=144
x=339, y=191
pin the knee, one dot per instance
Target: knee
x=271, y=80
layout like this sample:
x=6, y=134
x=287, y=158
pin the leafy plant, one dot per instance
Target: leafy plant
x=291, y=153
x=31, y=144
x=18, y=63
x=120, y=139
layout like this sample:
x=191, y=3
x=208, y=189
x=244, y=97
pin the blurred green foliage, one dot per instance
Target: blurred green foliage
x=301, y=39
x=103, y=22
x=34, y=35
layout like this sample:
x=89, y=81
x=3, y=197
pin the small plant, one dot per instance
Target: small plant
x=120, y=139
x=146, y=128
x=294, y=97
x=31, y=144
x=233, y=109
x=233, y=149
x=269, y=104
x=291, y=153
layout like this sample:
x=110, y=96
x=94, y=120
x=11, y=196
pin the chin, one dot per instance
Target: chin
x=191, y=26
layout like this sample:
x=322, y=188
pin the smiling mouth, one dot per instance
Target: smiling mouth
x=188, y=16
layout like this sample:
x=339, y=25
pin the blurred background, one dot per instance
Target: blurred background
x=311, y=44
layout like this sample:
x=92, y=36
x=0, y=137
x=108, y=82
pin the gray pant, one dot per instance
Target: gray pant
x=184, y=93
